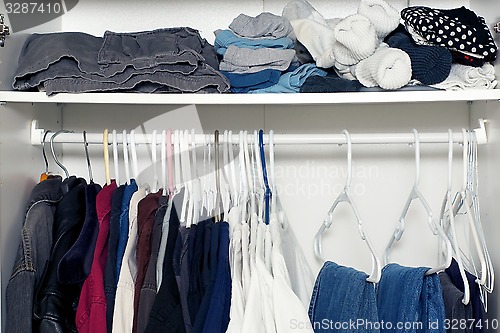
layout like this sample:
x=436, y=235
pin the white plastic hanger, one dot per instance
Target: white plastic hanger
x=217, y=177
x=133, y=151
x=196, y=180
x=447, y=206
x=345, y=196
x=225, y=185
x=232, y=169
x=243, y=179
x=116, y=158
x=188, y=178
x=125, y=158
x=177, y=162
x=435, y=228
x=464, y=198
x=163, y=156
x=154, y=160
x=105, y=145
x=170, y=164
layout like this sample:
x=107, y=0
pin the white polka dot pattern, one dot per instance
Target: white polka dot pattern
x=457, y=29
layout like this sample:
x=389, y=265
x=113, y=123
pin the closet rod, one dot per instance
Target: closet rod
x=279, y=139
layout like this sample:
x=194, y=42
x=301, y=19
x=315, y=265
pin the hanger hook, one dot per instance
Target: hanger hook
x=89, y=166
x=417, y=156
x=349, y=157
x=46, y=161
x=54, y=153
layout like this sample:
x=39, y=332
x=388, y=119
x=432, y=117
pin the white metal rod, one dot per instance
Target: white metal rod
x=279, y=139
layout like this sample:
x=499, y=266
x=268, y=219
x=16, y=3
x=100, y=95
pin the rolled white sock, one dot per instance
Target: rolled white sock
x=388, y=68
x=318, y=39
x=356, y=39
x=381, y=14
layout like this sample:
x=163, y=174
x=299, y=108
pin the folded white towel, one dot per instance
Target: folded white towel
x=467, y=77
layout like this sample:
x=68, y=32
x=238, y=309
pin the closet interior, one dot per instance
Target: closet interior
x=371, y=148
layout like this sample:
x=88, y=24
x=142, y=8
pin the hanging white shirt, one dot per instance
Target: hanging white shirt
x=289, y=312
x=123, y=315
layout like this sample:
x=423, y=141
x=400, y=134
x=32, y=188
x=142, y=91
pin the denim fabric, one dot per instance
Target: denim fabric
x=203, y=80
x=291, y=82
x=166, y=313
x=129, y=61
x=91, y=311
x=32, y=255
x=145, y=221
x=75, y=266
x=55, y=303
x=149, y=287
x=218, y=312
x=123, y=236
x=195, y=294
x=147, y=49
x=224, y=38
x=341, y=295
x=407, y=295
x=201, y=317
x=242, y=83
x=110, y=270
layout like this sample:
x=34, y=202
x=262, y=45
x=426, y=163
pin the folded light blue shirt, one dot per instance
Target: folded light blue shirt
x=224, y=38
x=291, y=82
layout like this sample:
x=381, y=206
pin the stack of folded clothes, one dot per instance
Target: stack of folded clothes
x=257, y=55
x=164, y=60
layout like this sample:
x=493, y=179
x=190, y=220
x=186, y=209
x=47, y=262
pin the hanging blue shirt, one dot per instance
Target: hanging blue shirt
x=123, y=237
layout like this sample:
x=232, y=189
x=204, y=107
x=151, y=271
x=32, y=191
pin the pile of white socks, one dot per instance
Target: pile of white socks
x=466, y=77
x=353, y=45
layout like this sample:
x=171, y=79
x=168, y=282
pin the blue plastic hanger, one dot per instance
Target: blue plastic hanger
x=267, y=194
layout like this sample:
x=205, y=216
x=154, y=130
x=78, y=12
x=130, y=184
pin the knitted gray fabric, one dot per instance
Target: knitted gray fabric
x=241, y=60
x=455, y=309
x=264, y=25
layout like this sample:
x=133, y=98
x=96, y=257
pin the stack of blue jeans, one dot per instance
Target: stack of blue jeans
x=163, y=60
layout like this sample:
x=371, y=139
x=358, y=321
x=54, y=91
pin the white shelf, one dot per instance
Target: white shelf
x=254, y=99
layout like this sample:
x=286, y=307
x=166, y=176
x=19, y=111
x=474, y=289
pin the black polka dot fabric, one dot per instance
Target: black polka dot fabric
x=458, y=29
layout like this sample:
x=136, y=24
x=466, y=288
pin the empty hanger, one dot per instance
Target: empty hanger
x=232, y=169
x=105, y=145
x=243, y=180
x=345, y=196
x=196, y=180
x=435, y=228
x=54, y=156
x=447, y=206
x=87, y=156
